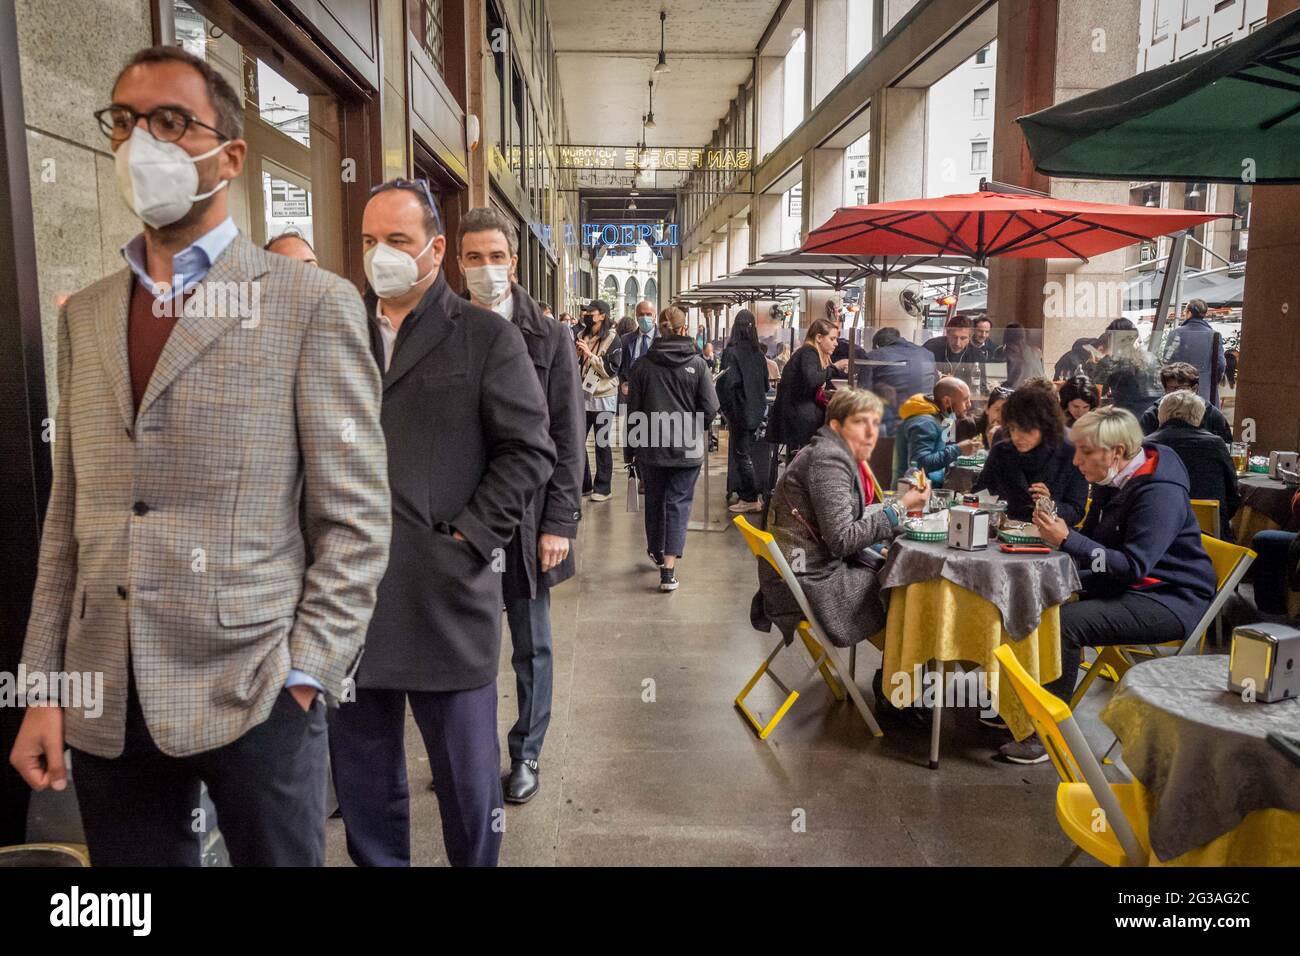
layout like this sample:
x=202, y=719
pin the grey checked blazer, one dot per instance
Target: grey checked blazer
x=236, y=527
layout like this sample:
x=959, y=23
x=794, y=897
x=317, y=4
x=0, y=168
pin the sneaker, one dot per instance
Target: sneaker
x=658, y=559
x=600, y=496
x=746, y=507
x=1029, y=750
x=667, y=579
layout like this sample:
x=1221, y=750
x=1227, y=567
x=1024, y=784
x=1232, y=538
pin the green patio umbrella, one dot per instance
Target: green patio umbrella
x=1227, y=115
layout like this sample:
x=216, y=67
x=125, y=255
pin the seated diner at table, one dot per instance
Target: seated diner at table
x=1146, y=576
x=1078, y=397
x=1174, y=377
x=1210, y=472
x=928, y=423
x=1034, y=459
x=827, y=508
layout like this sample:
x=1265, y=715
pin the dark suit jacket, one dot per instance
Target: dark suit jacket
x=468, y=446
x=628, y=341
x=558, y=505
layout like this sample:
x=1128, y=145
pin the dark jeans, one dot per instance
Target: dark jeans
x=268, y=788
x=604, y=423
x=1273, y=548
x=1129, y=618
x=739, y=446
x=368, y=760
x=668, y=496
x=530, y=634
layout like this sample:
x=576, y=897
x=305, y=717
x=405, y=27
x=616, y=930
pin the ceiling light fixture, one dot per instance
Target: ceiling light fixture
x=650, y=117
x=631, y=205
x=662, y=66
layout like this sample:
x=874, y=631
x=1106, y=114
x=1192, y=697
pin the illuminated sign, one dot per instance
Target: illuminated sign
x=628, y=234
x=675, y=158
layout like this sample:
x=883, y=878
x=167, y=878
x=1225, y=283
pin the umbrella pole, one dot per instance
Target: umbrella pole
x=1168, y=291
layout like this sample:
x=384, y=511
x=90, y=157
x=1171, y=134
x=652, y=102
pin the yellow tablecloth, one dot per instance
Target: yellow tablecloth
x=938, y=620
x=1247, y=521
x=1264, y=838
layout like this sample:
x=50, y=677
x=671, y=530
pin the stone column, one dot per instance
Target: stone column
x=1056, y=51
x=1268, y=391
x=771, y=103
x=827, y=30
x=895, y=170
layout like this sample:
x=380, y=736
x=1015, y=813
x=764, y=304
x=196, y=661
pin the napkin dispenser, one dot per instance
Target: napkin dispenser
x=1265, y=660
x=1278, y=460
x=968, y=528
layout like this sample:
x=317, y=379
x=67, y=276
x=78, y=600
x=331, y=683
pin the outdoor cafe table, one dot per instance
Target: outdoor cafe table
x=951, y=605
x=1265, y=506
x=1215, y=791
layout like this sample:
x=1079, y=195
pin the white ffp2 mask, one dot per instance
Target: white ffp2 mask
x=392, y=272
x=158, y=180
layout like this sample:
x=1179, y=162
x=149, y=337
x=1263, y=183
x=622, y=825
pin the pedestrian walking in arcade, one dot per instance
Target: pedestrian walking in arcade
x=600, y=354
x=670, y=404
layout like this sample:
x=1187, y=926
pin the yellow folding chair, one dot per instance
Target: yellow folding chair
x=1231, y=562
x=1094, y=813
x=1207, y=515
x=825, y=656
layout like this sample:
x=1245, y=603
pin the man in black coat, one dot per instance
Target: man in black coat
x=1210, y=472
x=896, y=369
x=1180, y=375
x=1196, y=343
x=541, y=552
x=468, y=446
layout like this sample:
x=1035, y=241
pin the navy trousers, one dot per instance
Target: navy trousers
x=530, y=633
x=668, y=496
x=368, y=760
x=268, y=788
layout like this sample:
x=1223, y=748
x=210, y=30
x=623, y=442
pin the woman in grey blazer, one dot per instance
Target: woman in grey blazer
x=826, y=510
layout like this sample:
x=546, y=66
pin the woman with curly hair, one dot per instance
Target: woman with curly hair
x=1078, y=397
x=1034, y=459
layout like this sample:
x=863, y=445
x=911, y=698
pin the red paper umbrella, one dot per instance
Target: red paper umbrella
x=985, y=224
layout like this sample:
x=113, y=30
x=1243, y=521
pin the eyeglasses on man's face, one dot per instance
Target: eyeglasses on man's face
x=166, y=124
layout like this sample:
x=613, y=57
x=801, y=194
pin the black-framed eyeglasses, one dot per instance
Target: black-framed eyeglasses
x=166, y=123
x=418, y=186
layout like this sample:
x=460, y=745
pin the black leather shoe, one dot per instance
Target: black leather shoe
x=521, y=785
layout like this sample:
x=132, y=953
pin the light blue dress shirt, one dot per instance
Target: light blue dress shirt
x=190, y=267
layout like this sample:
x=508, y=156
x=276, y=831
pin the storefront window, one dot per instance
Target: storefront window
x=426, y=26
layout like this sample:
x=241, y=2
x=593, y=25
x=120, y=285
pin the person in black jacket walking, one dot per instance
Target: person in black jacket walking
x=797, y=414
x=742, y=395
x=1210, y=472
x=1034, y=460
x=541, y=553
x=670, y=403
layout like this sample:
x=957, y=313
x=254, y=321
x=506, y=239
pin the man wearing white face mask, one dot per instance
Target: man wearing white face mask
x=541, y=552
x=468, y=449
x=202, y=387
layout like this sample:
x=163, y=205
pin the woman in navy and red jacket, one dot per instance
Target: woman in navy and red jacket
x=1146, y=576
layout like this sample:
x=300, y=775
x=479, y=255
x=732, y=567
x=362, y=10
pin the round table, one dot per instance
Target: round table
x=952, y=605
x=1215, y=791
x=1265, y=506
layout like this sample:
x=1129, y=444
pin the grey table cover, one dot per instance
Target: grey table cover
x=1268, y=496
x=1020, y=586
x=1201, y=752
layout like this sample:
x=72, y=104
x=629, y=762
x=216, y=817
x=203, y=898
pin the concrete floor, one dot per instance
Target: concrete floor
x=682, y=780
